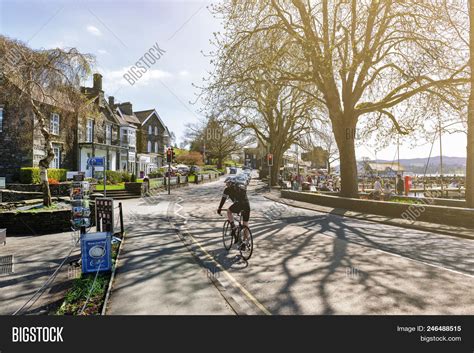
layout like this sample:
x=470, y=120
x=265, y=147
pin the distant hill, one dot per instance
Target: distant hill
x=451, y=165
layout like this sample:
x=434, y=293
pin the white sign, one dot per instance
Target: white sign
x=145, y=159
x=99, y=169
x=2, y=182
x=131, y=156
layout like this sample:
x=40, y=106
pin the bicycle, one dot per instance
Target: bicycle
x=247, y=240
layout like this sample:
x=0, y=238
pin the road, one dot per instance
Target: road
x=307, y=262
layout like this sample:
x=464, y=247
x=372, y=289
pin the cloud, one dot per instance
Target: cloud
x=183, y=73
x=102, y=51
x=113, y=78
x=93, y=30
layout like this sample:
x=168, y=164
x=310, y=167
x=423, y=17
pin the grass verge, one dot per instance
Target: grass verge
x=76, y=297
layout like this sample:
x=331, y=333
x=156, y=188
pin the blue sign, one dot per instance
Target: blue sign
x=96, y=252
x=96, y=162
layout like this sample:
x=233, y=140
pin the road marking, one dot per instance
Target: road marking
x=231, y=278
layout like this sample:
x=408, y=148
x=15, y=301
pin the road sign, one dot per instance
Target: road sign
x=96, y=162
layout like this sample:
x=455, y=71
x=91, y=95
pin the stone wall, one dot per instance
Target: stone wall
x=14, y=196
x=36, y=223
x=454, y=216
x=61, y=189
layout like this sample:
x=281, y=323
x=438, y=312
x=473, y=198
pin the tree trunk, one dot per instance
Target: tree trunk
x=219, y=163
x=470, y=117
x=46, y=161
x=348, y=164
x=277, y=159
x=44, y=181
x=329, y=166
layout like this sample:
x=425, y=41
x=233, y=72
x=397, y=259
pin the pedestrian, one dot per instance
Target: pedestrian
x=400, y=187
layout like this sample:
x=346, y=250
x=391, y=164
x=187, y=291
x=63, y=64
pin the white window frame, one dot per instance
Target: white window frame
x=132, y=137
x=1, y=118
x=149, y=146
x=156, y=130
x=150, y=130
x=54, y=124
x=56, y=162
x=108, y=134
x=89, y=130
x=156, y=147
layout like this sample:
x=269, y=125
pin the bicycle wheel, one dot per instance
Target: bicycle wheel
x=246, y=236
x=227, y=237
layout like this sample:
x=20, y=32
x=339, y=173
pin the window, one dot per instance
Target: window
x=149, y=147
x=54, y=129
x=131, y=137
x=1, y=119
x=108, y=134
x=156, y=147
x=149, y=130
x=89, y=130
x=56, y=162
x=156, y=130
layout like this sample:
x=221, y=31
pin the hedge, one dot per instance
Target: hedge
x=115, y=177
x=32, y=175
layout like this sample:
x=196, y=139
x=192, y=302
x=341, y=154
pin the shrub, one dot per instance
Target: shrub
x=155, y=174
x=32, y=175
x=133, y=178
x=126, y=177
x=113, y=177
x=53, y=181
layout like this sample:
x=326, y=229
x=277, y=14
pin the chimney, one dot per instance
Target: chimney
x=97, y=82
x=111, y=101
x=126, y=108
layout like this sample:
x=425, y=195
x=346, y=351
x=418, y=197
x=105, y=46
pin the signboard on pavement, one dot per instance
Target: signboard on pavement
x=104, y=214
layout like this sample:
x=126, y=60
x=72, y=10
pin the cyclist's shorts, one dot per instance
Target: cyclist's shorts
x=241, y=208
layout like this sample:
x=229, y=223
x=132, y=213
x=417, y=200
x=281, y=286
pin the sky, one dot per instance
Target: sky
x=119, y=33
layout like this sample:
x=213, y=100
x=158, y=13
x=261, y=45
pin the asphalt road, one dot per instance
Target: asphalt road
x=307, y=262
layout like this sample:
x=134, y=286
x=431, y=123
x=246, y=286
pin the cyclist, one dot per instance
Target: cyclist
x=238, y=194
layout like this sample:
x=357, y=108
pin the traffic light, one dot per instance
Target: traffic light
x=169, y=155
x=270, y=159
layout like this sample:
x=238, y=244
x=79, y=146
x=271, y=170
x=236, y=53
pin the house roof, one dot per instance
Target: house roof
x=144, y=114
x=383, y=166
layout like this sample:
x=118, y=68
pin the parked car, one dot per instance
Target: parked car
x=194, y=169
x=232, y=170
x=183, y=170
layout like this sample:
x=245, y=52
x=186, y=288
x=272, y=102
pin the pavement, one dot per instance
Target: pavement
x=35, y=258
x=456, y=231
x=156, y=274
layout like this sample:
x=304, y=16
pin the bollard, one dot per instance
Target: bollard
x=121, y=219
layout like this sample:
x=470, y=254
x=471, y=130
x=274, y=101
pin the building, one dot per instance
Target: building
x=21, y=142
x=382, y=169
x=128, y=141
x=153, y=138
x=100, y=134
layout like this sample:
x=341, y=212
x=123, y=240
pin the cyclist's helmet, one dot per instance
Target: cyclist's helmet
x=229, y=181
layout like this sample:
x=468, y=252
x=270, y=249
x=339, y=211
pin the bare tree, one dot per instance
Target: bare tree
x=248, y=87
x=45, y=79
x=364, y=59
x=216, y=138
